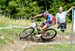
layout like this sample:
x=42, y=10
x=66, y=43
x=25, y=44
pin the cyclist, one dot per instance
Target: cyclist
x=49, y=19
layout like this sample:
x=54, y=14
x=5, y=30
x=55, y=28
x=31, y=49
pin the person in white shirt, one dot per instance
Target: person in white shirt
x=61, y=18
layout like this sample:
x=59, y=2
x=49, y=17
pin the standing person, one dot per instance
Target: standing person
x=61, y=18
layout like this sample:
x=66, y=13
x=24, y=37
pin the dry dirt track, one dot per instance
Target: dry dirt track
x=20, y=45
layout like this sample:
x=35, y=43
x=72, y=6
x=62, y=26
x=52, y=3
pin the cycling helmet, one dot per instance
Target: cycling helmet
x=45, y=13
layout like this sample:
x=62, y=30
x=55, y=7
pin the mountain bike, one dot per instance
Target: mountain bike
x=34, y=30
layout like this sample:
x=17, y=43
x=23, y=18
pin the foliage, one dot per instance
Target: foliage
x=26, y=8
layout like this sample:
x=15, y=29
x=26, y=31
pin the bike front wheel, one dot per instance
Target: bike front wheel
x=26, y=32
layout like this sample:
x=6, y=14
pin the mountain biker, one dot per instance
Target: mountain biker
x=49, y=19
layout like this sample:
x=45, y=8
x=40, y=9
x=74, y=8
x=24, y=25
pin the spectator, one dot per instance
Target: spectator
x=61, y=18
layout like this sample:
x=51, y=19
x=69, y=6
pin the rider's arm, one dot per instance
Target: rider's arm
x=70, y=9
x=37, y=16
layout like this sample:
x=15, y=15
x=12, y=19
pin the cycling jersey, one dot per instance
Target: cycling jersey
x=48, y=20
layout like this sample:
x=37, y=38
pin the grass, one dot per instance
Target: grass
x=2, y=42
x=5, y=21
x=52, y=47
x=10, y=34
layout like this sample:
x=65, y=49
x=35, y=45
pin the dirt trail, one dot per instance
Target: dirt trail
x=20, y=45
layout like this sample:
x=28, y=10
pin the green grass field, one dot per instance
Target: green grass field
x=6, y=35
x=5, y=21
x=10, y=33
x=52, y=47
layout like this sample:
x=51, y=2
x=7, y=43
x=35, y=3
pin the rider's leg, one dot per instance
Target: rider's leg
x=43, y=27
x=43, y=23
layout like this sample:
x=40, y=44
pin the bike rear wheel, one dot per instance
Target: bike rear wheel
x=26, y=32
x=50, y=34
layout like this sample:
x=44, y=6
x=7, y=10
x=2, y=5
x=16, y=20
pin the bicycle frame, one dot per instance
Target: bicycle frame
x=36, y=27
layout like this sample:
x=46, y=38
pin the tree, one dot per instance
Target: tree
x=25, y=8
